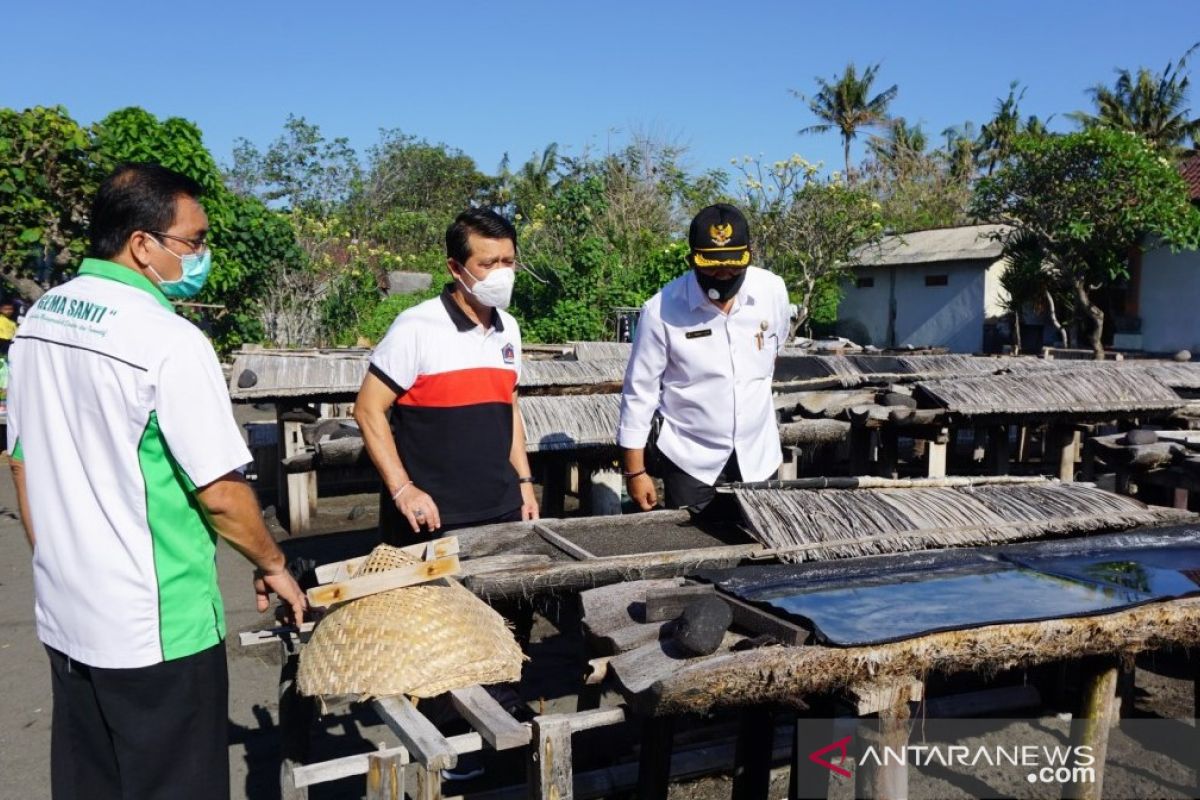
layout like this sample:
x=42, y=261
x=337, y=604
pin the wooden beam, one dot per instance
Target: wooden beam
x=426, y=551
x=664, y=604
x=758, y=621
x=367, y=585
x=416, y=733
x=497, y=727
x=889, y=780
x=562, y=543
x=349, y=766
x=250, y=638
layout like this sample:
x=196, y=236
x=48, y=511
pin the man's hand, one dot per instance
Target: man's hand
x=419, y=509
x=283, y=584
x=641, y=489
x=529, y=503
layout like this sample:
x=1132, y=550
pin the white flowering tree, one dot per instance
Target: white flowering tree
x=807, y=229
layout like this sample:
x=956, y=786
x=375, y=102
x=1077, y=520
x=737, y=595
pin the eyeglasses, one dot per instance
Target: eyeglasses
x=195, y=245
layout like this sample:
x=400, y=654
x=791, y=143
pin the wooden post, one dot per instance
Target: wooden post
x=889, y=780
x=654, y=763
x=889, y=452
x=288, y=790
x=295, y=712
x=752, y=754
x=429, y=783
x=998, y=450
x=385, y=777
x=860, y=449
x=1090, y=726
x=1194, y=667
x=554, y=486
x=1062, y=442
x=551, y=776
x=294, y=502
x=1180, y=498
x=809, y=780
x=936, y=452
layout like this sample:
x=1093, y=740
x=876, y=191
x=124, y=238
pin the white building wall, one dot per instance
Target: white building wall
x=1170, y=300
x=950, y=316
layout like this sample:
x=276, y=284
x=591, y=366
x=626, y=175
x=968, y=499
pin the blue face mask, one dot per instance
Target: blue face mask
x=195, y=268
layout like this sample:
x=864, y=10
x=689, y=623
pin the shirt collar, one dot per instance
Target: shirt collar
x=110, y=270
x=697, y=299
x=459, y=317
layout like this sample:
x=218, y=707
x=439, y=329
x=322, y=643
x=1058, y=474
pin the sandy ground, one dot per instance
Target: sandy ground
x=345, y=525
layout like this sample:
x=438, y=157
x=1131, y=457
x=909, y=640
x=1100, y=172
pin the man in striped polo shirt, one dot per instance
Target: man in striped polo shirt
x=452, y=454
x=125, y=456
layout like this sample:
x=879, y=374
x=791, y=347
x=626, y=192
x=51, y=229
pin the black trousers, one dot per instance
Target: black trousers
x=149, y=733
x=684, y=491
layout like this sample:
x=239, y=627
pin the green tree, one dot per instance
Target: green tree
x=301, y=169
x=248, y=240
x=1152, y=105
x=997, y=136
x=1087, y=199
x=806, y=230
x=47, y=179
x=845, y=104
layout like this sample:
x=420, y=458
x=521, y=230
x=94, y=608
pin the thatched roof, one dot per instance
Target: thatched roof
x=965, y=243
x=832, y=523
x=570, y=422
x=557, y=372
x=1075, y=390
x=591, y=351
x=270, y=374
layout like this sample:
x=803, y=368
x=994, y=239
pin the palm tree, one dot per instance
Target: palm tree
x=1152, y=105
x=996, y=137
x=960, y=150
x=847, y=105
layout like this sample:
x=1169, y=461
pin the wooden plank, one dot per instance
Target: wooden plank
x=664, y=604
x=497, y=727
x=349, y=766
x=423, y=741
x=562, y=543
x=758, y=621
x=385, y=777
x=366, y=585
x=936, y=454
x=426, y=551
x=250, y=638
x=294, y=489
x=551, y=776
x=873, y=698
x=889, y=780
x=288, y=789
x=428, y=784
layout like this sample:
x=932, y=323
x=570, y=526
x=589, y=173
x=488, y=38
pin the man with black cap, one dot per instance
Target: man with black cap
x=703, y=358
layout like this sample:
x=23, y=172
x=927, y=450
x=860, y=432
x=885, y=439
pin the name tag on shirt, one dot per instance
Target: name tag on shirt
x=700, y=334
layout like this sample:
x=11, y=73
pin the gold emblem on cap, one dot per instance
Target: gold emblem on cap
x=720, y=234
x=762, y=326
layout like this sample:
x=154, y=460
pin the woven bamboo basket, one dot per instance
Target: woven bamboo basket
x=419, y=641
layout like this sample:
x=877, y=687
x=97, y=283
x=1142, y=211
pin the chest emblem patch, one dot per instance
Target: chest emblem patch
x=509, y=353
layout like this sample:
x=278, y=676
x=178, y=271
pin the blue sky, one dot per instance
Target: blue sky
x=511, y=77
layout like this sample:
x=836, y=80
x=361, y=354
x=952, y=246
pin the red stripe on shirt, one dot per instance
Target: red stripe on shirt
x=461, y=387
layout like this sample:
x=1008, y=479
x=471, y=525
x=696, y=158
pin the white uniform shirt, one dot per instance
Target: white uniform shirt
x=709, y=375
x=118, y=410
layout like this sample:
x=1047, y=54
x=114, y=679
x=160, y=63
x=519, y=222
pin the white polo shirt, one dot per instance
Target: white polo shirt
x=118, y=409
x=709, y=374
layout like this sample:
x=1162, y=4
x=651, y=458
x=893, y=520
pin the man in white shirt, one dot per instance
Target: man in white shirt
x=125, y=456
x=703, y=359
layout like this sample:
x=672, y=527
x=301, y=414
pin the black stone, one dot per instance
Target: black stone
x=702, y=625
x=247, y=379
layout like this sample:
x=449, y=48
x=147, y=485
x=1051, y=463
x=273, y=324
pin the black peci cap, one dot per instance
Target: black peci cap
x=719, y=238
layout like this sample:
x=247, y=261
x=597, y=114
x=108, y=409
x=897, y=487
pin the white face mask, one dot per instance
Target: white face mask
x=495, y=290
